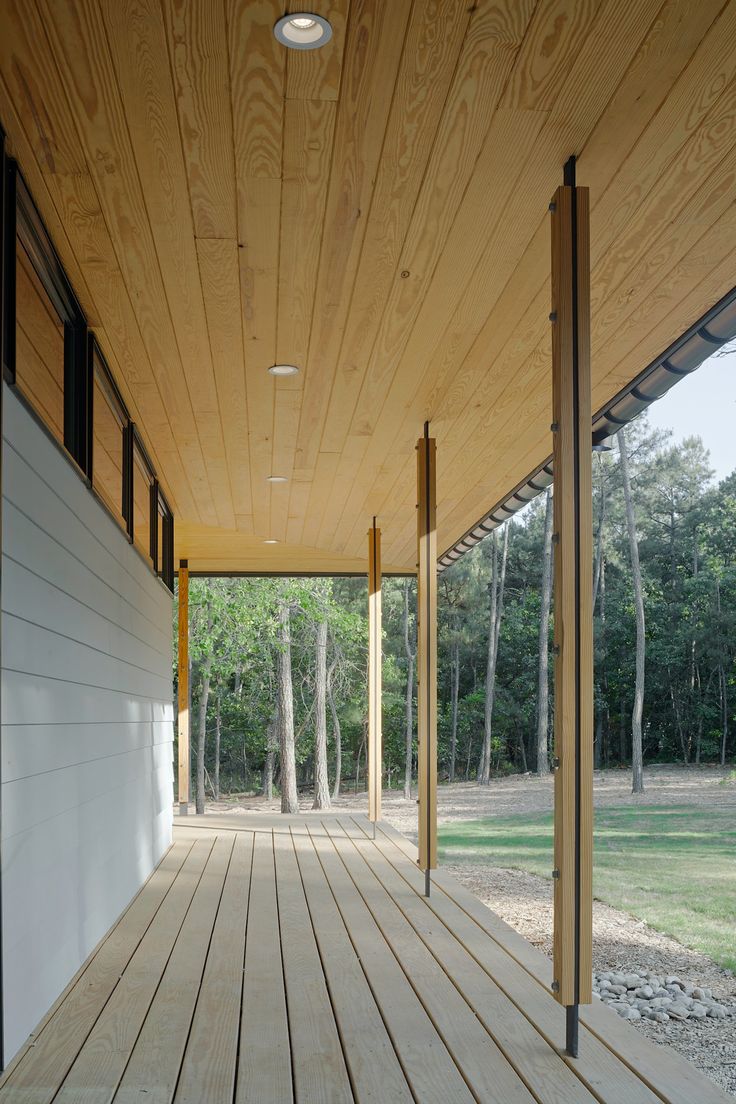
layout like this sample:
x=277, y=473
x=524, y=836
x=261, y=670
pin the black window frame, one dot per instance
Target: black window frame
x=34, y=238
x=137, y=447
x=98, y=366
x=22, y=222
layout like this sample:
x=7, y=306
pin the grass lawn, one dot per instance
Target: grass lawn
x=673, y=867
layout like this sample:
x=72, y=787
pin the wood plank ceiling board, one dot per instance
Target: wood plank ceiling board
x=80, y=48
x=502, y=229
x=374, y=211
x=673, y=189
x=373, y=52
x=444, y=264
x=481, y=389
x=424, y=169
x=137, y=37
x=35, y=113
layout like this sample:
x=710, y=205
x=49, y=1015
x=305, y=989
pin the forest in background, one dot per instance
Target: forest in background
x=278, y=666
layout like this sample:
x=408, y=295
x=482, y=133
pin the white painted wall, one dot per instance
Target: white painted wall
x=87, y=715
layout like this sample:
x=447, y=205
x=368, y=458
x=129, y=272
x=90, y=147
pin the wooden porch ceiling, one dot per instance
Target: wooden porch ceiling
x=376, y=213
x=287, y=959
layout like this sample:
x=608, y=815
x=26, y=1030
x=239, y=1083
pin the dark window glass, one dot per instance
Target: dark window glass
x=109, y=421
x=39, y=363
x=142, y=480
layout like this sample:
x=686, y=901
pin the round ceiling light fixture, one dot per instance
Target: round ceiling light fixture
x=283, y=369
x=277, y=479
x=303, y=31
x=271, y=540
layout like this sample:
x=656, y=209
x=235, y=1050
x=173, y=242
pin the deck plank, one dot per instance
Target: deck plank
x=485, y=1068
x=662, y=1073
x=299, y=962
x=264, y=1064
x=429, y=1068
x=375, y=1072
x=502, y=997
x=37, y=1073
x=318, y=1063
x=101, y=1063
x=209, y=1067
x=154, y=1065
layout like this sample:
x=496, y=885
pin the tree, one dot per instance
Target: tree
x=496, y=589
x=321, y=785
x=543, y=669
x=637, y=768
x=409, y=706
x=289, y=799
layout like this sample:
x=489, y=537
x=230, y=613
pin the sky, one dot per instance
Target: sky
x=704, y=405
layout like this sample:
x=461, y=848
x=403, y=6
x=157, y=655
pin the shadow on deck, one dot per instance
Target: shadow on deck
x=275, y=959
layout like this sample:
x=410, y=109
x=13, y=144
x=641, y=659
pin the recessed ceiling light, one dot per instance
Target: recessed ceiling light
x=303, y=31
x=276, y=479
x=283, y=369
x=271, y=540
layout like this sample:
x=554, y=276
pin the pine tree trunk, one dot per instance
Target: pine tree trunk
x=601, y=525
x=409, y=707
x=622, y=732
x=202, y=732
x=498, y=578
x=218, y=734
x=522, y=752
x=455, y=692
x=598, y=740
x=637, y=767
x=289, y=799
x=337, y=734
x=272, y=741
x=321, y=783
x=724, y=707
x=543, y=670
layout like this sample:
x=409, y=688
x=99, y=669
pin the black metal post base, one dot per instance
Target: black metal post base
x=427, y=882
x=572, y=1030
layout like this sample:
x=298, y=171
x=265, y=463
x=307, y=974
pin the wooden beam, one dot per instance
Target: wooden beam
x=427, y=650
x=375, y=744
x=183, y=671
x=573, y=735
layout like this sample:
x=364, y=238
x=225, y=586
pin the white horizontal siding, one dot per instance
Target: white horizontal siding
x=86, y=722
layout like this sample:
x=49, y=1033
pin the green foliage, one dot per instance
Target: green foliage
x=687, y=535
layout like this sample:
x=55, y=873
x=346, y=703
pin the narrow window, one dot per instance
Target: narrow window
x=39, y=352
x=142, y=483
x=110, y=418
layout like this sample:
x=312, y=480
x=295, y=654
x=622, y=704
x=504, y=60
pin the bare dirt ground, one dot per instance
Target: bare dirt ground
x=523, y=900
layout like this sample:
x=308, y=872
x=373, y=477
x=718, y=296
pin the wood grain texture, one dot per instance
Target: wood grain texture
x=375, y=689
x=373, y=211
x=183, y=726
x=427, y=650
x=573, y=587
x=431, y=1000
x=264, y=1069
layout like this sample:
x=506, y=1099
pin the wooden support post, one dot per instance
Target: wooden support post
x=573, y=732
x=427, y=651
x=183, y=673
x=375, y=744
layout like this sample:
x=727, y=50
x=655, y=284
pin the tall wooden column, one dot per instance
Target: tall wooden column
x=375, y=743
x=427, y=651
x=183, y=680
x=573, y=732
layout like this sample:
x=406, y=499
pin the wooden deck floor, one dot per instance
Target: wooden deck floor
x=273, y=960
